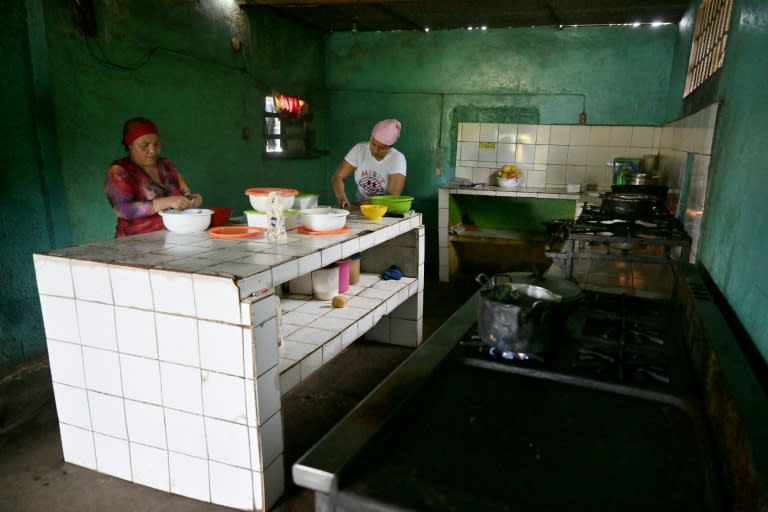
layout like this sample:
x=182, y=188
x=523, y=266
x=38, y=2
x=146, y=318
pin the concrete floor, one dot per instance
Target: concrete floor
x=34, y=477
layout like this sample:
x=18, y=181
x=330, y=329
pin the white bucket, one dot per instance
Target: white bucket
x=325, y=282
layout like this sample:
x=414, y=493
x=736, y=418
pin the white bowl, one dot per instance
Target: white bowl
x=259, y=196
x=508, y=183
x=323, y=219
x=192, y=220
x=259, y=219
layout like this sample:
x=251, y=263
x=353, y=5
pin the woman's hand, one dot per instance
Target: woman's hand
x=342, y=202
x=175, y=202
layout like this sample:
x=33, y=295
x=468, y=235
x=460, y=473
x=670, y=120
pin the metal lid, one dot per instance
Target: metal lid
x=565, y=288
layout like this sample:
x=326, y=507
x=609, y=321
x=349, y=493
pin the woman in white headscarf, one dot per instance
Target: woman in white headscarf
x=378, y=168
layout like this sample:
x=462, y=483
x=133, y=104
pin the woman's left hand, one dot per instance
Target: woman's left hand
x=195, y=200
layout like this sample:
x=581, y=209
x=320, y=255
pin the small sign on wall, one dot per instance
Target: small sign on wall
x=487, y=145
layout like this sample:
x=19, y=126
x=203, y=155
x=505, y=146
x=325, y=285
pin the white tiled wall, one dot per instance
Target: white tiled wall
x=550, y=154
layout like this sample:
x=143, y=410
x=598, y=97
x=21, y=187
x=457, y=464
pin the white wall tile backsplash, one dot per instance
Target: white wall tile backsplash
x=543, y=151
x=130, y=287
x=146, y=424
x=54, y=275
x=150, y=466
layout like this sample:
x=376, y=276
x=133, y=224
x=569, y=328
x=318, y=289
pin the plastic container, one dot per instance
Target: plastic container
x=344, y=276
x=354, y=268
x=325, y=282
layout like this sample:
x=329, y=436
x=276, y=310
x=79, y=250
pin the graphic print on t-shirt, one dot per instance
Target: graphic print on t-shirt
x=371, y=183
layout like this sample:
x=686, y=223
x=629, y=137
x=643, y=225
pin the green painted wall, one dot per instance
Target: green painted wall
x=734, y=239
x=66, y=96
x=431, y=81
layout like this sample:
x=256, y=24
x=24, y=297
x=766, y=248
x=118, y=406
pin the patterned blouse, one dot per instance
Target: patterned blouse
x=130, y=191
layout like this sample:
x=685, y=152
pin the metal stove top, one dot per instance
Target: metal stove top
x=608, y=339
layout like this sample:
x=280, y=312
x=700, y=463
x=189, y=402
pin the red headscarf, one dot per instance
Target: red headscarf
x=142, y=128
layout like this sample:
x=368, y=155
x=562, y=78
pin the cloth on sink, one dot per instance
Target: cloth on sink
x=392, y=273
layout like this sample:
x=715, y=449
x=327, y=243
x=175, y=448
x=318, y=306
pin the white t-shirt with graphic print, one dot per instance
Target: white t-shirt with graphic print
x=371, y=175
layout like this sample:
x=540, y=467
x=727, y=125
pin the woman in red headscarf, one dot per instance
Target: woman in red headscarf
x=144, y=183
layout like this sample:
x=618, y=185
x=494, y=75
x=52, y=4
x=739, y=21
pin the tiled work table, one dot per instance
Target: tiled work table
x=165, y=356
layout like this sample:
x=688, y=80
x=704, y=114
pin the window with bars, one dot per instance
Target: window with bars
x=710, y=35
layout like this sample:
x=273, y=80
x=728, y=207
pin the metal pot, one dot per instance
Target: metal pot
x=626, y=205
x=640, y=178
x=514, y=318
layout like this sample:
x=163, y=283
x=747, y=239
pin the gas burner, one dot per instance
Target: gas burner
x=513, y=356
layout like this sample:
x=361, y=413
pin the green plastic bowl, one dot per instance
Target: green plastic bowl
x=395, y=204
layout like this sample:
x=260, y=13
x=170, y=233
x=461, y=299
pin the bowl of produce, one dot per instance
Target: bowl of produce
x=191, y=220
x=394, y=204
x=323, y=219
x=258, y=197
x=373, y=211
x=509, y=176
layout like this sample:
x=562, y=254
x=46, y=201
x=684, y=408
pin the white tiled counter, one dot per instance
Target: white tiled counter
x=444, y=242
x=164, y=348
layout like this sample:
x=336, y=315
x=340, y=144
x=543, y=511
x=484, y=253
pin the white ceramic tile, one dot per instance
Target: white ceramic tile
x=311, y=363
x=255, y=284
x=266, y=342
x=579, y=136
x=255, y=447
x=295, y=350
x=469, y=131
x=332, y=349
x=642, y=136
x=146, y=424
x=290, y=376
x=107, y=414
x=141, y=379
x=102, y=371
x=330, y=255
x=285, y=272
x=77, y=446
x=150, y=466
x=542, y=133
x=172, y=292
x=274, y=482
x=348, y=336
x=177, y=339
x=91, y=281
x=54, y=276
x=507, y=133
x=268, y=394
x=506, y=153
x=182, y=387
x=526, y=134
x=468, y=151
x=186, y=433
x=264, y=309
x=231, y=486
x=136, y=331
x=557, y=155
x=72, y=405
x=311, y=336
x=130, y=287
x=60, y=318
x=309, y=263
x=271, y=438
x=228, y=442
x=224, y=397
x=221, y=347
x=577, y=155
x=189, y=476
x=560, y=135
x=621, y=136
x=66, y=363
x=599, y=136
x=489, y=132
x=97, y=324
x=250, y=403
x=112, y=456
x=216, y=298
x=526, y=153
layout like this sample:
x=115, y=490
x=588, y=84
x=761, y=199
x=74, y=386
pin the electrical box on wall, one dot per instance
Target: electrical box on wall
x=85, y=17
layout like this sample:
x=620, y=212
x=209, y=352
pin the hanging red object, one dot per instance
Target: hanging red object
x=288, y=106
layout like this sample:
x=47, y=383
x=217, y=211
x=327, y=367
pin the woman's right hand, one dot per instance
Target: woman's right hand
x=175, y=202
